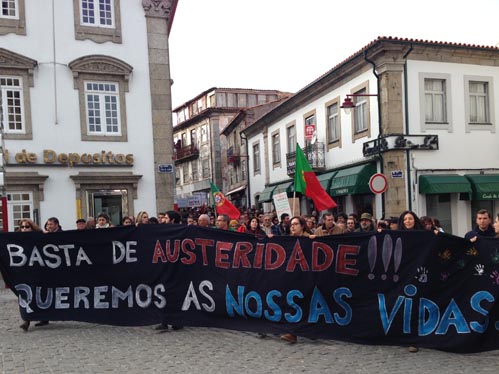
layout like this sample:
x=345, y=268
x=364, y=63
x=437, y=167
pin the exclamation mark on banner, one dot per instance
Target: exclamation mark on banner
x=386, y=255
x=372, y=253
x=397, y=258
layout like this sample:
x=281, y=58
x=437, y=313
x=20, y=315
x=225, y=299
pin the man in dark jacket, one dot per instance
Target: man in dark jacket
x=483, y=226
x=282, y=228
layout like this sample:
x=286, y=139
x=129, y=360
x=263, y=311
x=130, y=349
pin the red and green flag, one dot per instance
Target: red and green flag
x=306, y=182
x=222, y=205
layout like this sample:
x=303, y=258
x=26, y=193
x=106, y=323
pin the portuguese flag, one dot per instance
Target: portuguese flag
x=306, y=182
x=222, y=205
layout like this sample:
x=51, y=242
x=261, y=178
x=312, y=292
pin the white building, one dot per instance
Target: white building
x=423, y=115
x=86, y=105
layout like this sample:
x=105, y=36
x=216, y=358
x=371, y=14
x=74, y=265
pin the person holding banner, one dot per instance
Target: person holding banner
x=482, y=228
x=298, y=227
x=408, y=220
x=171, y=217
x=27, y=225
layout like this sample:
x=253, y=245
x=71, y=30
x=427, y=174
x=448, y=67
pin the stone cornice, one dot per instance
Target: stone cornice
x=12, y=60
x=100, y=64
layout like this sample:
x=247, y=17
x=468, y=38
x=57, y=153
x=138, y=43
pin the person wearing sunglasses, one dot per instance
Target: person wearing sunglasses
x=27, y=225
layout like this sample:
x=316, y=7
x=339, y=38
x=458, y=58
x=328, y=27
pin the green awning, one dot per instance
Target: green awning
x=266, y=194
x=354, y=180
x=284, y=187
x=325, y=179
x=484, y=186
x=443, y=183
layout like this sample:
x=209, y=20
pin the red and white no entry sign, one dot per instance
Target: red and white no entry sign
x=378, y=183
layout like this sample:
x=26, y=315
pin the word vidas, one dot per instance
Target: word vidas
x=434, y=319
x=267, y=255
x=52, y=157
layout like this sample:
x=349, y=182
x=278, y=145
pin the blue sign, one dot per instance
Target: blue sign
x=397, y=174
x=165, y=168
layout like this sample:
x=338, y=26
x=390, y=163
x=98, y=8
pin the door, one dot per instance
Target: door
x=112, y=202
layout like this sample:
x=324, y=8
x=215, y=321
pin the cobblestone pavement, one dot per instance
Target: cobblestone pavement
x=71, y=347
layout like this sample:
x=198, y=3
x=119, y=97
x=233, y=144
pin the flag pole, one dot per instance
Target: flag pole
x=294, y=200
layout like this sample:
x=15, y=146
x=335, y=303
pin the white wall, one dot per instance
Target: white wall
x=65, y=135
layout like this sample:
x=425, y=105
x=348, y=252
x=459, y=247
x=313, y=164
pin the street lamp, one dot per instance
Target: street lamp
x=348, y=104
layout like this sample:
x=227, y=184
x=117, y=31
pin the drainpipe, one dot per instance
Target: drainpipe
x=408, y=151
x=380, y=128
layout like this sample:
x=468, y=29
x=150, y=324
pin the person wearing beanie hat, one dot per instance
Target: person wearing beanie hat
x=234, y=225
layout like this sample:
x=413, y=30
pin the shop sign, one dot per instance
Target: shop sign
x=51, y=157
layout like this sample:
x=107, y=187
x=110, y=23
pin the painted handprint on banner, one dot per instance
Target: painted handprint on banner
x=495, y=256
x=495, y=277
x=480, y=269
x=422, y=275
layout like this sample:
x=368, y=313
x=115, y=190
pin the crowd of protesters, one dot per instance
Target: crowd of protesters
x=263, y=225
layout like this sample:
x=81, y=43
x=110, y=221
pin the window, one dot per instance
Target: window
x=435, y=100
x=12, y=104
x=256, y=158
x=205, y=165
x=194, y=140
x=479, y=103
x=102, y=97
x=333, y=125
x=360, y=112
x=194, y=173
x=243, y=170
x=102, y=101
x=97, y=20
x=9, y=9
x=439, y=206
x=16, y=78
x=309, y=127
x=291, y=130
x=478, y=99
x=19, y=206
x=360, y=117
x=436, y=113
x=204, y=134
x=185, y=173
x=97, y=13
x=276, y=148
x=12, y=17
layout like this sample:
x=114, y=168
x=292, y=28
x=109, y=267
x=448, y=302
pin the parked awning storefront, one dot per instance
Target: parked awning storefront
x=484, y=186
x=236, y=190
x=284, y=187
x=443, y=183
x=266, y=194
x=325, y=179
x=354, y=180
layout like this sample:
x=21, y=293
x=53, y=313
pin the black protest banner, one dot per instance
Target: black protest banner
x=404, y=288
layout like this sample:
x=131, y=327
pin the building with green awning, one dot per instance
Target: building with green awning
x=444, y=183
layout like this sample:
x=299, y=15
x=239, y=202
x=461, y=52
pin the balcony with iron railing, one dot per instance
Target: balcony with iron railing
x=187, y=153
x=234, y=155
x=315, y=156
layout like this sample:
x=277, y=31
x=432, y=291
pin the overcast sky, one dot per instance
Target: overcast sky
x=286, y=44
